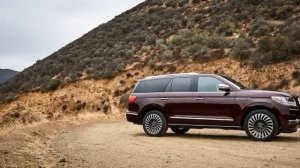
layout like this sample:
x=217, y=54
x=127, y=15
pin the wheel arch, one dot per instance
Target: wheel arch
x=150, y=107
x=253, y=107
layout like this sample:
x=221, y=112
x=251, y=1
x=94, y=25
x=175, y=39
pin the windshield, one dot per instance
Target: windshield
x=235, y=82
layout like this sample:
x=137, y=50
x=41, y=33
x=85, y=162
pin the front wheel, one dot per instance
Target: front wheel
x=179, y=130
x=154, y=123
x=261, y=125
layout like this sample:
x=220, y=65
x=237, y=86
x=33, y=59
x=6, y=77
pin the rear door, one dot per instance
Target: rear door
x=179, y=98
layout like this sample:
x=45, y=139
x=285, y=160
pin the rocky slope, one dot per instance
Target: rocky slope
x=255, y=42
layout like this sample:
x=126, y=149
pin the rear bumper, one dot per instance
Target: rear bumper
x=133, y=116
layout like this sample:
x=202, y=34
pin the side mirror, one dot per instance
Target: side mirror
x=224, y=87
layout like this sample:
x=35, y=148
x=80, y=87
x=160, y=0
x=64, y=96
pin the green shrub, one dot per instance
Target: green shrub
x=265, y=44
x=151, y=39
x=8, y=97
x=284, y=12
x=260, y=27
x=184, y=22
x=155, y=9
x=256, y=59
x=274, y=49
x=292, y=31
x=171, y=3
x=225, y=28
x=195, y=1
x=182, y=2
x=295, y=45
x=123, y=100
x=216, y=41
x=197, y=18
x=167, y=55
x=242, y=48
x=280, y=49
x=52, y=84
x=265, y=12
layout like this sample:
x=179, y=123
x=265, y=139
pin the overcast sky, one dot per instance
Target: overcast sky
x=34, y=29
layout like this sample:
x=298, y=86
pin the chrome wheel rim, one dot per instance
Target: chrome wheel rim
x=260, y=126
x=153, y=124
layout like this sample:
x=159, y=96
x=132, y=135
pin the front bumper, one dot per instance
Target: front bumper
x=294, y=122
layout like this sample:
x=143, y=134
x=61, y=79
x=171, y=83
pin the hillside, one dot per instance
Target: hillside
x=6, y=74
x=254, y=41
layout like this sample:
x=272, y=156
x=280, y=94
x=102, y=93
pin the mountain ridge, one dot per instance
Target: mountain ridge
x=6, y=74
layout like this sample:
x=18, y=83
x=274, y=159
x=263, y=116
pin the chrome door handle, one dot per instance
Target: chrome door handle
x=199, y=98
x=164, y=98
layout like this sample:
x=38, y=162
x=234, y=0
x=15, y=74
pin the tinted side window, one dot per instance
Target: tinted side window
x=181, y=85
x=155, y=85
x=208, y=84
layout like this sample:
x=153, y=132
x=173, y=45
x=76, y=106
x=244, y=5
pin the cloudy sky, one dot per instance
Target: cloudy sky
x=33, y=29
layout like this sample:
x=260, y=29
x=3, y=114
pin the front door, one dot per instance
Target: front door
x=212, y=106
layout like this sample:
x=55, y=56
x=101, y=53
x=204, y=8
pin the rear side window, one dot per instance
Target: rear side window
x=148, y=86
x=181, y=85
x=208, y=84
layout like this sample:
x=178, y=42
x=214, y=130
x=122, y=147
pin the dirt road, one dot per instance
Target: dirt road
x=122, y=144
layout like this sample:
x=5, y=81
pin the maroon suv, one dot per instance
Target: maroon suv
x=192, y=100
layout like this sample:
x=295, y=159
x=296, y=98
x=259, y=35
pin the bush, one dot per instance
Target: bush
x=216, y=41
x=265, y=44
x=123, y=100
x=274, y=49
x=184, y=22
x=197, y=18
x=225, y=28
x=284, y=12
x=182, y=2
x=8, y=97
x=195, y=1
x=292, y=31
x=171, y=3
x=155, y=9
x=52, y=84
x=265, y=12
x=260, y=27
x=280, y=49
x=242, y=48
x=167, y=55
x=151, y=39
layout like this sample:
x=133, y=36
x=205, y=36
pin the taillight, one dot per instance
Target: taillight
x=131, y=99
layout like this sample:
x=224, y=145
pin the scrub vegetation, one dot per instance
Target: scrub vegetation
x=157, y=32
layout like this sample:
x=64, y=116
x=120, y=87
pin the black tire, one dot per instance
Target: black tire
x=279, y=131
x=154, y=123
x=179, y=130
x=261, y=125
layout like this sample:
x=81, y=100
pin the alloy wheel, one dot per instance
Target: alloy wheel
x=153, y=124
x=260, y=125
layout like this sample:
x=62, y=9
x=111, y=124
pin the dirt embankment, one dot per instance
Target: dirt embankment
x=122, y=144
x=103, y=96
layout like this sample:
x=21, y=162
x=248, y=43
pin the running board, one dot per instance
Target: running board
x=208, y=126
x=202, y=117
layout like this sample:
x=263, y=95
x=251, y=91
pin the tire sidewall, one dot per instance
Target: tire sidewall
x=164, y=128
x=269, y=114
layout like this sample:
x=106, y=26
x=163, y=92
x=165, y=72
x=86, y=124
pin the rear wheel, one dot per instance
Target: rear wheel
x=154, y=123
x=179, y=130
x=261, y=125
